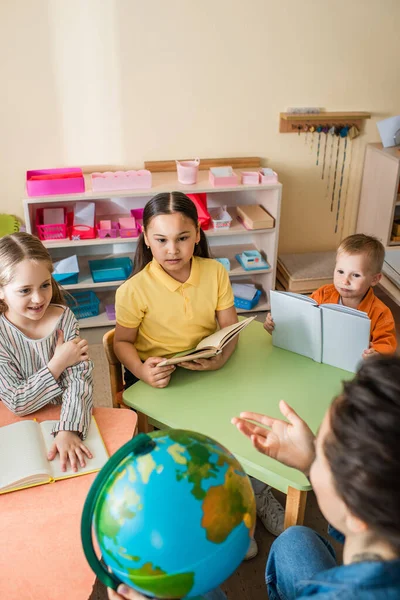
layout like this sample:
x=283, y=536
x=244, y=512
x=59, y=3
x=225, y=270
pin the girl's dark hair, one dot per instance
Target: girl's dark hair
x=167, y=204
x=17, y=247
x=363, y=446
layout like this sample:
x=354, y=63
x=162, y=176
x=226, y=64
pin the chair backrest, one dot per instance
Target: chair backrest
x=115, y=369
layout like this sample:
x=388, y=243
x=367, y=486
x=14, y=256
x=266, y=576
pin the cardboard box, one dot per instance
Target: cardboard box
x=254, y=216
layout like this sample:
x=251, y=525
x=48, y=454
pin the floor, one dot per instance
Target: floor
x=247, y=583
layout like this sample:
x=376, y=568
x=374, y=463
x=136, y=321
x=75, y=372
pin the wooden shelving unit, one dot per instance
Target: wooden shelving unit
x=226, y=242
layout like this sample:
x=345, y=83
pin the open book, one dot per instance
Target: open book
x=329, y=333
x=23, y=455
x=211, y=345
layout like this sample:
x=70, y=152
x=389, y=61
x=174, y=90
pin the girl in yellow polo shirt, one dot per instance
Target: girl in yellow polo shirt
x=176, y=296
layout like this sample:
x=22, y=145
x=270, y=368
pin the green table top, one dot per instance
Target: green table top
x=255, y=378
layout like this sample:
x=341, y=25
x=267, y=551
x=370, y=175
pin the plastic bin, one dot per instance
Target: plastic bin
x=47, y=182
x=247, y=304
x=108, y=233
x=110, y=269
x=220, y=217
x=66, y=278
x=52, y=231
x=84, y=304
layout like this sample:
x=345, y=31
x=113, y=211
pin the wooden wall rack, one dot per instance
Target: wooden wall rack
x=295, y=122
x=246, y=162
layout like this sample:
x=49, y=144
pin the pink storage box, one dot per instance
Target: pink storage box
x=121, y=180
x=250, y=177
x=51, y=231
x=222, y=176
x=108, y=232
x=268, y=178
x=47, y=187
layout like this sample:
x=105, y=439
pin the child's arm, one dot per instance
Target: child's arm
x=383, y=336
x=148, y=371
x=25, y=396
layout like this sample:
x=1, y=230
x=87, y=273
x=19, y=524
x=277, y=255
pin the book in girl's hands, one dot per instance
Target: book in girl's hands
x=332, y=334
x=23, y=455
x=210, y=346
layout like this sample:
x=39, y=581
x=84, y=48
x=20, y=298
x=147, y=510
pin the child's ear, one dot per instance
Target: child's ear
x=146, y=241
x=376, y=279
x=198, y=233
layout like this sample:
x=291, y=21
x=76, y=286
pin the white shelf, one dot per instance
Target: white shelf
x=236, y=228
x=100, y=320
x=161, y=182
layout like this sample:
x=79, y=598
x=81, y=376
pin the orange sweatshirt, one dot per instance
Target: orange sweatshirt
x=383, y=331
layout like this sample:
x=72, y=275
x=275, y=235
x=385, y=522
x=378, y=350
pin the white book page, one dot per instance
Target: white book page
x=93, y=441
x=22, y=455
x=219, y=339
x=297, y=324
x=345, y=336
x=346, y=309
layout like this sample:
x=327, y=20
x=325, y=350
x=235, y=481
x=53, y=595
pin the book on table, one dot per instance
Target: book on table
x=332, y=334
x=23, y=455
x=210, y=346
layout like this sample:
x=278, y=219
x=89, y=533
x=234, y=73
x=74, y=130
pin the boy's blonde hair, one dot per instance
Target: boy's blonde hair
x=359, y=243
x=20, y=246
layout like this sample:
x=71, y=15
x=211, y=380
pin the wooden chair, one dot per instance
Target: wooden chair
x=117, y=383
x=115, y=369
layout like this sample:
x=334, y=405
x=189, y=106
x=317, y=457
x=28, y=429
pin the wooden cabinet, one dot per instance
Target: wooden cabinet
x=379, y=207
x=224, y=243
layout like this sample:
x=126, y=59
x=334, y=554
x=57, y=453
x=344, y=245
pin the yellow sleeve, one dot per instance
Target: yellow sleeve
x=225, y=293
x=128, y=306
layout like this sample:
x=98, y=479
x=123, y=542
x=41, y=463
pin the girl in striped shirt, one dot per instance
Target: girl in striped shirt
x=42, y=358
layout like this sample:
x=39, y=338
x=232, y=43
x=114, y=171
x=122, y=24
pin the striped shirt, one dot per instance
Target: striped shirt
x=26, y=384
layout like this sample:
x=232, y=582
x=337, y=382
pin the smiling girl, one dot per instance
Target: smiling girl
x=42, y=358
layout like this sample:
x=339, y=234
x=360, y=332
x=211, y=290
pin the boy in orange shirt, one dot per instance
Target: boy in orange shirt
x=359, y=262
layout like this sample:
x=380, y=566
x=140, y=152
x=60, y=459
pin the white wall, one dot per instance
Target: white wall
x=115, y=82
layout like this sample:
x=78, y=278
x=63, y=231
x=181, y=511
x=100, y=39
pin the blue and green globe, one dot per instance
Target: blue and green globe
x=175, y=520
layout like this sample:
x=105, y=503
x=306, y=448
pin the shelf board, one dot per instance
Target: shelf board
x=161, y=182
x=295, y=122
x=236, y=228
x=100, y=320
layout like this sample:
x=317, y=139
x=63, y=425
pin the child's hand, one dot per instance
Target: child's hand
x=204, y=364
x=125, y=593
x=69, y=353
x=269, y=324
x=70, y=447
x=370, y=352
x=154, y=375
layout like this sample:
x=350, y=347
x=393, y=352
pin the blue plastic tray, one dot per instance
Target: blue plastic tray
x=256, y=267
x=65, y=278
x=247, y=304
x=84, y=304
x=110, y=269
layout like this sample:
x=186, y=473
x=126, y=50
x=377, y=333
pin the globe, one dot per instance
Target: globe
x=174, y=518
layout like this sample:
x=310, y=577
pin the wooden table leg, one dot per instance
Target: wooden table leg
x=143, y=423
x=295, y=507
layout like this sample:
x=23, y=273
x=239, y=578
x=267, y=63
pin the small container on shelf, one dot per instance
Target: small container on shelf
x=66, y=270
x=247, y=304
x=220, y=217
x=222, y=176
x=128, y=227
x=66, y=278
x=81, y=232
x=252, y=260
x=82, y=226
x=110, y=269
x=47, y=182
x=51, y=231
x=250, y=177
x=110, y=311
x=225, y=262
x=268, y=176
x=107, y=229
x=121, y=180
x=84, y=304
x=187, y=171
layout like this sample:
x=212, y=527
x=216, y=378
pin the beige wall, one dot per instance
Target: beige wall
x=117, y=82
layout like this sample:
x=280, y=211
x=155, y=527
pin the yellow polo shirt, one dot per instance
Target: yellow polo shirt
x=173, y=316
